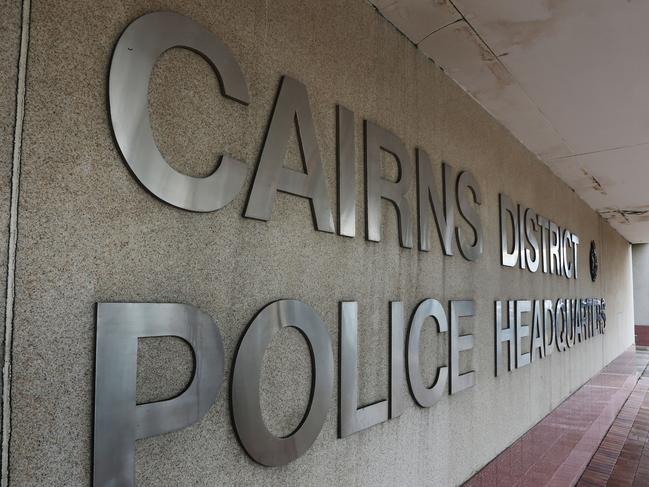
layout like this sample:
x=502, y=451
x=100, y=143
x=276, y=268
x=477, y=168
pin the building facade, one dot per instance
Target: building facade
x=339, y=98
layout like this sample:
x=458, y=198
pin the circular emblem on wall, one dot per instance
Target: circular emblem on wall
x=594, y=262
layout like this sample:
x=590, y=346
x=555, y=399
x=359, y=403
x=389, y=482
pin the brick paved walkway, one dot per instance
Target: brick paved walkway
x=612, y=409
x=622, y=458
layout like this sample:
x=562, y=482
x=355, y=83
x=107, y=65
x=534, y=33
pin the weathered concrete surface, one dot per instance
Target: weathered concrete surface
x=10, y=30
x=641, y=284
x=90, y=233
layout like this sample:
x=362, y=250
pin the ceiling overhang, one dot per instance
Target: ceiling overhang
x=566, y=78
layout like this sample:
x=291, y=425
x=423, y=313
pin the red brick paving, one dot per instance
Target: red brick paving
x=623, y=457
x=557, y=450
x=605, y=461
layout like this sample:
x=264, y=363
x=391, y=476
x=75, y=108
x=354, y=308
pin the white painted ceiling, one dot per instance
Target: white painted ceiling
x=569, y=78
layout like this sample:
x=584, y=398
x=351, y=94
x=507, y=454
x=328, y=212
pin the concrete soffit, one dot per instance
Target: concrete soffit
x=526, y=63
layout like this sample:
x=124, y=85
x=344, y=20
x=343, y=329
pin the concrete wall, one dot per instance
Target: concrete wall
x=88, y=233
x=10, y=32
x=641, y=283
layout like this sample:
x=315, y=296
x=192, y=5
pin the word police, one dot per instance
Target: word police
x=119, y=422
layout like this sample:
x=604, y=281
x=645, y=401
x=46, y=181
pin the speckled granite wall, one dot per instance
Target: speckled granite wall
x=10, y=28
x=88, y=232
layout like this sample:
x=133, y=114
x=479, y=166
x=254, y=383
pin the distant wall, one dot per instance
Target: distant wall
x=641, y=284
x=641, y=293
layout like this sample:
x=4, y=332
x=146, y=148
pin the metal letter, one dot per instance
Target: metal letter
x=428, y=198
x=119, y=421
x=545, y=228
x=538, y=340
x=561, y=333
x=522, y=307
x=135, y=54
x=470, y=248
x=585, y=319
x=521, y=227
x=460, y=343
x=352, y=418
x=292, y=110
x=377, y=187
x=257, y=441
x=505, y=335
x=573, y=309
x=425, y=396
x=548, y=325
x=555, y=257
x=578, y=317
x=565, y=242
x=397, y=362
x=346, y=158
x=530, y=234
x=559, y=244
x=570, y=323
x=593, y=310
x=601, y=314
x=575, y=241
x=507, y=258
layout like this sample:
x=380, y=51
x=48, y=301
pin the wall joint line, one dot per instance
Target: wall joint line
x=13, y=237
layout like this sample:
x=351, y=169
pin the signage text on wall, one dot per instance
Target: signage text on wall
x=527, y=240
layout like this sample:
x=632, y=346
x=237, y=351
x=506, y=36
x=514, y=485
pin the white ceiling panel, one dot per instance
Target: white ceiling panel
x=635, y=233
x=584, y=63
x=568, y=78
x=614, y=183
x=467, y=60
x=417, y=18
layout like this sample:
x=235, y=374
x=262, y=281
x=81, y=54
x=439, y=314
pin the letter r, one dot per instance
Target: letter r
x=119, y=421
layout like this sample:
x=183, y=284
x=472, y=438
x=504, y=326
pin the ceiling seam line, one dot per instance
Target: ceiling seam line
x=440, y=28
x=610, y=149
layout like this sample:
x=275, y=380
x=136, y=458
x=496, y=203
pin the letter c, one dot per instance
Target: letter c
x=135, y=54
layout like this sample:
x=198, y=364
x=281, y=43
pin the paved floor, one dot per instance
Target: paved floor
x=623, y=456
x=596, y=437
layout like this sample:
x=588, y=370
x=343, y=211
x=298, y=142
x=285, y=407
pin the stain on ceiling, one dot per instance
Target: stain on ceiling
x=568, y=78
